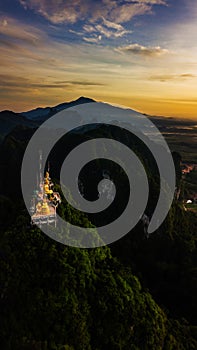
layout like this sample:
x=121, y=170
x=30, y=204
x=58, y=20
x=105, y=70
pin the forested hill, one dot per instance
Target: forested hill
x=139, y=293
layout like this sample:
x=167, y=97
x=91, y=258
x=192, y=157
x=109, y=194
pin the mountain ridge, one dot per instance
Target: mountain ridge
x=33, y=118
x=43, y=113
x=169, y=127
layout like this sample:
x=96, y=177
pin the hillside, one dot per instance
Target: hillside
x=9, y=120
x=138, y=293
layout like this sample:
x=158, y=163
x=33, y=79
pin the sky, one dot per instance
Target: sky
x=138, y=53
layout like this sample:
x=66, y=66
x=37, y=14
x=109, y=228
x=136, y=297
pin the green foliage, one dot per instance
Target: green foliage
x=54, y=297
x=57, y=297
x=83, y=298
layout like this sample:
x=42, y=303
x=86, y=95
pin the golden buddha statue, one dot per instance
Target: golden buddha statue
x=47, y=176
x=45, y=208
x=46, y=187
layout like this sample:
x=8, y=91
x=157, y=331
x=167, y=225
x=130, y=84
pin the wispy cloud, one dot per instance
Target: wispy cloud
x=141, y=50
x=126, y=12
x=106, y=29
x=66, y=11
x=109, y=33
x=93, y=40
x=20, y=42
x=89, y=28
x=10, y=81
x=11, y=29
x=75, y=32
x=172, y=77
x=113, y=25
x=101, y=19
x=150, y=2
x=57, y=11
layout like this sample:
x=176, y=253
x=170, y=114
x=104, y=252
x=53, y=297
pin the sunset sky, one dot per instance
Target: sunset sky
x=139, y=53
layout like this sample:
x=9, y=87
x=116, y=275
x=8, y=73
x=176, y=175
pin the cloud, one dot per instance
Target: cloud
x=113, y=12
x=126, y=12
x=140, y=50
x=150, y=2
x=22, y=44
x=109, y=33
x=107, y=28
x=172, y=77
x=102, y=18
x=4, y=22
x=187, y=75
x=58, y=11
x=93, y=40
x=89, y=28
x=75, y=32
x=22, y=83
x=79, y=82
x=11, y=51
x=11, y=29
x=113, y=25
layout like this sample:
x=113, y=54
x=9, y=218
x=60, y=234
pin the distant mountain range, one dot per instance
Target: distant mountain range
x=32, y=119
x=177, y=131
x=42, y=114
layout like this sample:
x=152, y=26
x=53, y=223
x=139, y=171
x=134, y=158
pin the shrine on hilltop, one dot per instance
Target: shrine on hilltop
x=44, y=201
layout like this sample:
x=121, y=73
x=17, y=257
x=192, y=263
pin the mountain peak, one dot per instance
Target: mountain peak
x=76, y=102
x=84, y=99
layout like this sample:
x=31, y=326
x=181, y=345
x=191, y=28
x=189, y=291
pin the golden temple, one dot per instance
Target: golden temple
x=44, y=201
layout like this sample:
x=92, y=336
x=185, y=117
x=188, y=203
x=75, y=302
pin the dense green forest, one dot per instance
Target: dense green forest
x=138, y=293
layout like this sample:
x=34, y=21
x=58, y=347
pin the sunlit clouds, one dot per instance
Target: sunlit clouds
x=71, y=11
x=141, y=50
x=128, y=52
